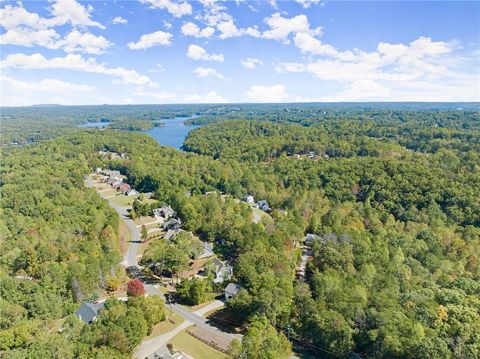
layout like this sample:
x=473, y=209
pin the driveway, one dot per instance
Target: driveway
x=151, y=345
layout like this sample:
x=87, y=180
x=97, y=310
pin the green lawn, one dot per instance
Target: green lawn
x=194, y=347
x=122, y=200
x=165, y=326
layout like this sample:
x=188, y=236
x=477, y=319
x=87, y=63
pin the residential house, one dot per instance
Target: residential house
x=309, y=238
x=263, y=205
x=207, y=250
x=223, y=271
x=164, y=353
x=132, y=192
x=124, y=188
x=88, y=312
x=172, y=223
x=164, y=212
x=117, y=184
x=249, y=198
x=231, y=290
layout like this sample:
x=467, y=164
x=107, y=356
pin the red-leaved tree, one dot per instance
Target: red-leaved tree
x=135, y=288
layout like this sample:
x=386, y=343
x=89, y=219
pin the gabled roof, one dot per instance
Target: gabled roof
x=232, y=288
x=88, y=311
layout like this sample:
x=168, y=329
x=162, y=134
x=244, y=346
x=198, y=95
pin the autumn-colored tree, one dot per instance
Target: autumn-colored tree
x=135, y=288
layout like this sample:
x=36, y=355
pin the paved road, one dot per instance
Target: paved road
x=130, y=258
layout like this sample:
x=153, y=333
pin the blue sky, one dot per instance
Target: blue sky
x=167, y=51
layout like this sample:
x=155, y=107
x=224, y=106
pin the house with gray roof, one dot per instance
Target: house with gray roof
x=231, y=290
x=88, y=312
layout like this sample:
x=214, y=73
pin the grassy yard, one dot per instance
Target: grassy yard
x=122, y=200
x=165, y=326
x=194, y=347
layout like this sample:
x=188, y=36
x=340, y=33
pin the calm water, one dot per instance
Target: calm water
x=94, y=124
x=173, y=133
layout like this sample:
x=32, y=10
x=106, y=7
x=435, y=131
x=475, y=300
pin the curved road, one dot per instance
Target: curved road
x=130, y=260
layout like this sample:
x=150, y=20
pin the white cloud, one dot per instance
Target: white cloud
x=274, y=93
x=207, y=71
x=74, y=63
x=177, y=9
x=307, y=3
x=149, y=40
x=281, y=27
x=228, y=29
x=86, y=42
x=12, y=17
x=45, y=85
x=25, y=28
x=423, y=70
x=251, y=63
x=75, y=41
x=196, y=52
x=70, y=11
x=21, y=93
x=119, y=20
x=210, y=97
x=191, y=29
x=30, y=37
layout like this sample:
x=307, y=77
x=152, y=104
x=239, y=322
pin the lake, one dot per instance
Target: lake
x=94, y=124
x=173, y=133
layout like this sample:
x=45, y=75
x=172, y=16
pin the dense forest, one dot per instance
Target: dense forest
x=392, y=197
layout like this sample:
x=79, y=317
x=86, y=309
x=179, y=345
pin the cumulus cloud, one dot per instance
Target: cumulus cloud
x=119, y=20
x=75, y=41
x=74, y=63
x=30, y=37
x=150, y=40
x=70, y=11
x=402, y=72
x=191, y=29
x=281, y=27
x=88, y=43
x=177, y=9
x=207, y=71
x=273, y=93
x=196, y=52
x=28, y=29
x=251, y=63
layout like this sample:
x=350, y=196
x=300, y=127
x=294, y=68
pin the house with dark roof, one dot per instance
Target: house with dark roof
x=263, y=205
x=172, y=223
x=88, y=312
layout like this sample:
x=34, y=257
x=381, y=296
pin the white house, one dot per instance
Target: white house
x=249, y=198
x=164, y=212
x=223, y=271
